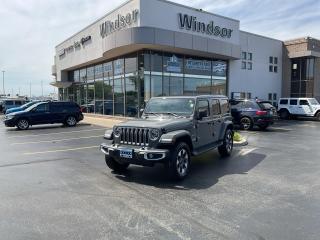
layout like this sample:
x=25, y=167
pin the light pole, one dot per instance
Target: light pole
x=42, y=89
x=3, y=91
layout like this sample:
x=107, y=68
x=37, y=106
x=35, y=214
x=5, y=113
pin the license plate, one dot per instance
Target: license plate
x=126, y=153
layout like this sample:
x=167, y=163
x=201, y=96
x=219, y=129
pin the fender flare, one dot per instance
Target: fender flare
x=172, y=137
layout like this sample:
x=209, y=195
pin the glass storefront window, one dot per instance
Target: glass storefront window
x=172, y=75
x=219, y=77
x=76, y=76
x=108, y=104
x=98, y=86
x=119, y=88
x=83, y=75
x=122, y=87
x=197, y=78
x=302, y=77
x=90, y=74
x=131, y=86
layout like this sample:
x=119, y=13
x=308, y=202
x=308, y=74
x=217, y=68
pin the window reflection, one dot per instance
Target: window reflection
x=121, y=87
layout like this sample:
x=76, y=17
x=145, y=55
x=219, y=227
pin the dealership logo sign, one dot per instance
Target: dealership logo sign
x=121, y=22
x=75, y=46
x=190, y=23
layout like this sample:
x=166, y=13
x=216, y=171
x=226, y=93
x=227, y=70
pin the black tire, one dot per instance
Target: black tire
x=114, y=165
x=226, y=148
x=318, y=116
x=180, y=161
x=23, y=124
x=71, y=121
x=284, y=114
x=246, y=123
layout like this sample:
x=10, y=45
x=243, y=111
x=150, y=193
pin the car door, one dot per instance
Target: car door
x=40, y=114
x=217, y=119
x=304, y=107
x=57, y=112
x=204, y=125
x=293, y=106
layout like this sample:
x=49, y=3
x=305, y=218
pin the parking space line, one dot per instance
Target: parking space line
x=56, y=140
x=60, y=150
x=55, y=133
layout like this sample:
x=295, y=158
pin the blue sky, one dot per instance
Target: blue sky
x=30, y=29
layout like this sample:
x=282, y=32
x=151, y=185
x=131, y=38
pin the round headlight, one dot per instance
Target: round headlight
x=154, y=134
x=117, y=132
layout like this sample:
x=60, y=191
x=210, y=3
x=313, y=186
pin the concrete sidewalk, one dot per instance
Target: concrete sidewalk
x=101, y=120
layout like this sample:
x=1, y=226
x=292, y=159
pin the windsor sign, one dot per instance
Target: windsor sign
x=191, y=23
x=121, y=22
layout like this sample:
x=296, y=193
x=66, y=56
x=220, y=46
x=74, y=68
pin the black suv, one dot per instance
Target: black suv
x=171, y=130
x=68, y=113
x=248, y=113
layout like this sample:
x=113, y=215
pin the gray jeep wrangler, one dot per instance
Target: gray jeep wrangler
x=171, y=131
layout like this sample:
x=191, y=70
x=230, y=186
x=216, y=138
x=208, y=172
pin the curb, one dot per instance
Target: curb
x=242, y=143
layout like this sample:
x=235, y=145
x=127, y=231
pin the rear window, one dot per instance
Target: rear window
x=9, y=102
x=284, y=101
x=224, y=106
x=293, y=102
x=248, y=104
x=266, y=105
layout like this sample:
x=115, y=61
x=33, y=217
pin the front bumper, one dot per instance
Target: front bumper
x=140, y=156
x=9, y=122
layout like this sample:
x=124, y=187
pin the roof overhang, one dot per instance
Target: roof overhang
x=61, y=84
x=304, y=54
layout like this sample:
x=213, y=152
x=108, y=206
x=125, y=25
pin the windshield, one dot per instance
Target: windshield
x=25, y=106
x=32, y=106
x=173, y=106
x=313, y=101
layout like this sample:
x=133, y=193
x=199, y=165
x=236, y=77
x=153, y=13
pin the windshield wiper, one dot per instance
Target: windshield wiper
x=152, y=113
x=173, y=114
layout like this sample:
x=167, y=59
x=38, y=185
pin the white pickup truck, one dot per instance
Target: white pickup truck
x=304, y=107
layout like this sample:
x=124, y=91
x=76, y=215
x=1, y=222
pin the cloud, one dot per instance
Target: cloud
x=30, y=29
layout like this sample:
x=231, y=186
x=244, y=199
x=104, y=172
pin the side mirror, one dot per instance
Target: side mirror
x=202, y=114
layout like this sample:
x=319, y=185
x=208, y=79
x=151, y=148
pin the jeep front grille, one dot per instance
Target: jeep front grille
x=134, y=136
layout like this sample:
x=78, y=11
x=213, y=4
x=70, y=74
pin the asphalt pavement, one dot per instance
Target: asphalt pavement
x=54, y=184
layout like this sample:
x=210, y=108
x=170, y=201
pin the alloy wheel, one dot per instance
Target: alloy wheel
x=23, y=124
x=182, y=163
x=71, y=121
x=246, y=123
x=229, y=141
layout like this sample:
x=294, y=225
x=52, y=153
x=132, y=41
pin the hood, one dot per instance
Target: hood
x=15, y=109
x=16, y=113
x=169, y=124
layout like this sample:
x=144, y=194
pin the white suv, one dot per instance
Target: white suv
x=305, y=107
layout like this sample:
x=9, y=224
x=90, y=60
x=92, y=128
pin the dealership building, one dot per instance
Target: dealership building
x=147, y=48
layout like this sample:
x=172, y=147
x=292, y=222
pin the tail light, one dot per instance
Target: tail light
x=261, y=113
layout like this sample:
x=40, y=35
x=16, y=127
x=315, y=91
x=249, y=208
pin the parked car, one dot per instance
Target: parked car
x=171, y=131
x=295, y=107
x=249, y=113
x=21, y=108
x=68, y=113
x=11, y=103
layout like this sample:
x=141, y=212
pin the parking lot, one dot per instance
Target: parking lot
x=54, y=185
